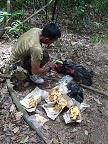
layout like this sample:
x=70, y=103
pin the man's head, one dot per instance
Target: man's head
x=50, y=33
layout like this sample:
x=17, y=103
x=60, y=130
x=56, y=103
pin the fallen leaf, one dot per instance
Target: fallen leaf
x=46, y=127
x=26, y=84
x=33, y=140
x=74, y=130
x=13, y=138
x=55, y=141
x=86, y=132
x=98, y=101
x=24, y=140
x=5, y=127
x=18, y=115
x=15, y=130
x=12, y=108
x=10, y=125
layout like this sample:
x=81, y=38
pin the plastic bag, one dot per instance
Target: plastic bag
x=69, y=87
x=32, y=99
x=75, y=91
x=75, y=118
x=51, y=113
x=59, y=90
x=81, y=107
x=53, y=110
x=65, y=80
x=37, y=120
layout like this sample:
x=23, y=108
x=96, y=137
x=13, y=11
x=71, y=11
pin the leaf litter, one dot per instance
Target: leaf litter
x=81, y=51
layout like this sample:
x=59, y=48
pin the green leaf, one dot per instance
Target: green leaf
x=1, y=19
x=96, y=39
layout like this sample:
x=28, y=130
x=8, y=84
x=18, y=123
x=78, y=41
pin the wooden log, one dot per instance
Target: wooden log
x=105, y=95
x=25, y=114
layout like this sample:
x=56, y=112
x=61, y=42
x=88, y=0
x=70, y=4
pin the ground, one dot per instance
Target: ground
x=94, y=127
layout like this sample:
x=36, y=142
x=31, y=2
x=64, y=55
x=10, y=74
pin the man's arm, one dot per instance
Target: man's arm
x=36, y=57
x=35, y=69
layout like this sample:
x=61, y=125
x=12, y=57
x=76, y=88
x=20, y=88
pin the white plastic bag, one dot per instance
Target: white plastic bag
x=65, y=80
x=61, y=87
x=37, y=94
x=81, y=107
x=51, y=113
x=68, y=119
x=37, y=120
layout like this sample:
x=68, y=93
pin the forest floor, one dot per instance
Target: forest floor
x=94, y=127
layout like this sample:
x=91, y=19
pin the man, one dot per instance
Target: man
x=30, y=53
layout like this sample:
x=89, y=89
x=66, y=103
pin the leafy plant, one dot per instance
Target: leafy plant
x=86, y=14
x=17, y=28
x=3, y=15
x=10, y=21
x=96, y=38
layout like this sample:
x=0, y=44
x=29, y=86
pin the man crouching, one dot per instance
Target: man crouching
x=29, y=54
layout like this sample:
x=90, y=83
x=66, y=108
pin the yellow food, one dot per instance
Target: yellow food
x=74, y=112
x=54, y=95
x=32, y=101
x=57, y=108
x=62, y=101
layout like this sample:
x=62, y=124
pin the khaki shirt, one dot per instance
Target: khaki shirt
x=28, y=45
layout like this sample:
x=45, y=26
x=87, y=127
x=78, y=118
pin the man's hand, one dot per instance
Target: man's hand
x=49, y=64
x=40, y=71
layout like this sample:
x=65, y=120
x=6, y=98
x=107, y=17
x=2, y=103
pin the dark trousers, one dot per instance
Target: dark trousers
x=27, y=61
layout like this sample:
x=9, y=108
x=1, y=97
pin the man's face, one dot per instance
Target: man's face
x=48, y=41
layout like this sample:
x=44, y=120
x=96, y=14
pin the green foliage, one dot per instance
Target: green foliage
x=15, y=26
x=96, y=39
x=84, y=14
x=3, y=15
x=18, y=28
x=11, y=15
x=100, y=5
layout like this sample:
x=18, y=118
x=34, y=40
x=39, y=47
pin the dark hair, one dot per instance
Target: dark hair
x=51, y=31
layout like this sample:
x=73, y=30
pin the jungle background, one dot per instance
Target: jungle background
x=84, y=27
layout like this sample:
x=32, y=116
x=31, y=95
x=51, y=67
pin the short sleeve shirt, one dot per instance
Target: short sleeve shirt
x=28, y=45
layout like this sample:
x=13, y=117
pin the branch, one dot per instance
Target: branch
x=54, y=9
x=46, y=10
x=105, y=95
x=36, y=12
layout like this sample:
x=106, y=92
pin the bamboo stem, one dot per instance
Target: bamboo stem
x=21, y=109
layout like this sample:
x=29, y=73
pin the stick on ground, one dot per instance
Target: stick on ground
x=103, y=94
x=21, y=109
